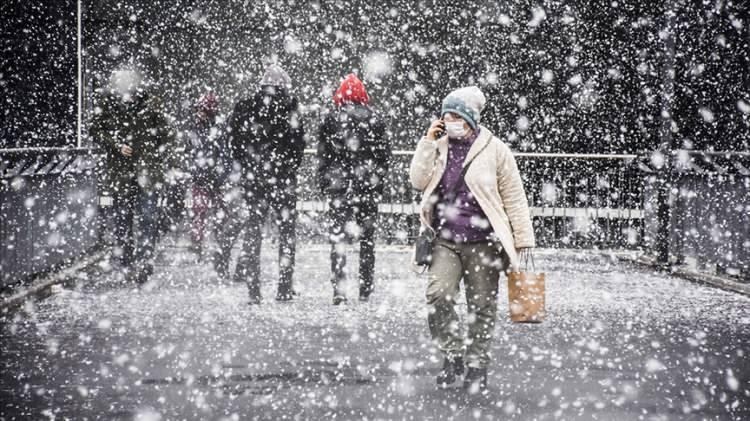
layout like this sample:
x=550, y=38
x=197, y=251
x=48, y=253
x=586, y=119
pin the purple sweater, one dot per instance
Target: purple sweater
x=459, y=219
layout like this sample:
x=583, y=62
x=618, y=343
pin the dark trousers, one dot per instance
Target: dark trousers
x=353, y=219
x=134, y=206
x=249, y=214
x=173, y=207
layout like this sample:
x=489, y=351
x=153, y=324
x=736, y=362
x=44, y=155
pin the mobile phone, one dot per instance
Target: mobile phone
x=440, y=133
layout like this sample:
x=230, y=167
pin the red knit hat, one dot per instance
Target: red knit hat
x=352, y=90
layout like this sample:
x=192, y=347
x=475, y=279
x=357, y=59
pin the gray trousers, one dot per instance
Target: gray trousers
x=480, y=266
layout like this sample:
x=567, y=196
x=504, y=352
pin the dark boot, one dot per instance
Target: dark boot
x=139, y=274
x=243, y=271
x=129, y=274
x=221, y=264
x=452, y=367
x=475, y=380
x=338, y=295
x=254, y=293
x=364, y=293
x=285, y=293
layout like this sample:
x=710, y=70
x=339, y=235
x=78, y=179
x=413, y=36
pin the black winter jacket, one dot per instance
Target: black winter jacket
x=267, y=138
x=142, y=125
x=353, y=153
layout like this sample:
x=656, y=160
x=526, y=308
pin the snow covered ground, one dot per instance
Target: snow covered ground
x=620, y=343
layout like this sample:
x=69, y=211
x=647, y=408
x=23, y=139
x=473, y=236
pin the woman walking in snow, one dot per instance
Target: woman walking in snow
x=480, y=218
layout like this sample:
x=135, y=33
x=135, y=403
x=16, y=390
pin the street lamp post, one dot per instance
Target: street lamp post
x=80, y=77
x=665, y=175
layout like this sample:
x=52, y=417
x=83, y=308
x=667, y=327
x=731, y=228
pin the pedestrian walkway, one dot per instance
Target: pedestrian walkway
x=620, y=343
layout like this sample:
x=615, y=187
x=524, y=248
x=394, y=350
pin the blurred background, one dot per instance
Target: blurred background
x=574, y=76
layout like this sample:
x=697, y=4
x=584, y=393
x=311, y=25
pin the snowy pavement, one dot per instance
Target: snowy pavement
x=620, y=343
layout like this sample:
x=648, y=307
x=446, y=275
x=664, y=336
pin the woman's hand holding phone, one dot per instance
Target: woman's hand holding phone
x=436, y=130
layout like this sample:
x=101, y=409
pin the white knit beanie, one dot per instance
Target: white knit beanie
x=276, y=76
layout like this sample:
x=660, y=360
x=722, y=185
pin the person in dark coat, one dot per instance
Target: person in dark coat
x=353, y=156
x=267, y=141
x=132, y=130
x=207, y=164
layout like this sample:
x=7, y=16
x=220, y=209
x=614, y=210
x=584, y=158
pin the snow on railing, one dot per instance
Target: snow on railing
x=16, y=162
x=48, y=209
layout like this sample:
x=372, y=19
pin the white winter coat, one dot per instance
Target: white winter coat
x=493, y=179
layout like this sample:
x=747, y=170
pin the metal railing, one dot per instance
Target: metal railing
x=50, y=196
x=49, y=200
x=48, y=208
x=577, y=200
x=20, y=162
x=696, y=206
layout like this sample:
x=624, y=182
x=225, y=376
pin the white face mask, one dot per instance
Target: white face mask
x=455, y=129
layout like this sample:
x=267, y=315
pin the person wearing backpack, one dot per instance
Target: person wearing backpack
x=474, y=203
x=353, y=156
x=267, y=142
